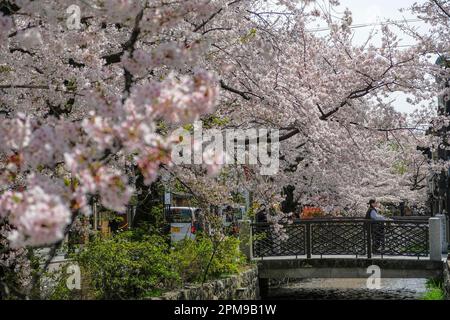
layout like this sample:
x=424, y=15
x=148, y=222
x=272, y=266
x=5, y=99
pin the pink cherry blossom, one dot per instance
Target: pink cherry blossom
x=5, y=26
x=38, y=218
x=83, y=112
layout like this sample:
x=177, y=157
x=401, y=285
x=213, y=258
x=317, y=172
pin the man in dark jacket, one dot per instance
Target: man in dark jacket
x=377, y=227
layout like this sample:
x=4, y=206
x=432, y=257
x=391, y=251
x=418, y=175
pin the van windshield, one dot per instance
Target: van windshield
x=180, y=215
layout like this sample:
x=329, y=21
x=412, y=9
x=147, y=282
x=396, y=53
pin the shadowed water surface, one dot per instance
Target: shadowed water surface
x=345, y=289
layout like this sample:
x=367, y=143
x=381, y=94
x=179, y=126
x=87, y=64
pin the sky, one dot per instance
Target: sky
x=375, y=11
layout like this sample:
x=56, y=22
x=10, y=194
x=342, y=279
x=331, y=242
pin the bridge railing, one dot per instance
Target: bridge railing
x=342, y=237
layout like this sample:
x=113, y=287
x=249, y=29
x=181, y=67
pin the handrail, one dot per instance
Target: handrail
x=360, y=220
x=312, y=237
x=363, y=217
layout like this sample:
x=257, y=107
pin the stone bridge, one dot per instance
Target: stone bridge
x=347, y=248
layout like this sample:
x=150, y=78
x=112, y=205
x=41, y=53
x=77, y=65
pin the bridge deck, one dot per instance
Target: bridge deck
x=377, y=257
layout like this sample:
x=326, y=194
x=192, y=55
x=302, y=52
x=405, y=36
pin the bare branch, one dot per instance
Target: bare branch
x=228, y=88
x=436, y=2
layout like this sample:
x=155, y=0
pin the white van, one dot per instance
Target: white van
x=183, y=223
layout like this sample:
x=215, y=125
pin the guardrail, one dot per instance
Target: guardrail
x=342, y=237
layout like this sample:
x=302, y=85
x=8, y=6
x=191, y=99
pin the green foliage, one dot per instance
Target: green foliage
x=179, y=187
x=71, y=85
x=133, y=200
x=189, y=127
x=161, y=127
x=260, y=236
x=253, y=209
x=251, y=34
x=217, y=258
x=59, y=290
x=214, y=121
x=192, y=257
x=443, y=61
x=394, y=146
x=435, y=290
x=69, y=104
x=228, y=258
x=134, y=264
x=416, y=248
x=238, y=198
x=434, y=294
x=123, y=268
x=400, y=167
x=5, y=69
x=159, y=222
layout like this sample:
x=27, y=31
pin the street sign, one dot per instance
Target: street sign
x=167, y=198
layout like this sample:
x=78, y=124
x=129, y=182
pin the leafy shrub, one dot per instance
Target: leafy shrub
x=58, y=290
x=228, y=258
x=133, y=265
x=204, y=258
x=435, y=290
x=191, y=258
x=121, y=268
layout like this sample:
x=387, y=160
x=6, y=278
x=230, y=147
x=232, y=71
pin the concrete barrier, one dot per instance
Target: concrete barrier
x=435, y=238
x=443, y=232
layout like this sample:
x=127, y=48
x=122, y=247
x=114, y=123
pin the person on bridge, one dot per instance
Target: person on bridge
x=377, y=228
x=372, y=212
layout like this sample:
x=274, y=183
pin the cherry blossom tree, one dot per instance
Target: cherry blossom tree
x=91, y=92
x=81, y=107
x=342, y=144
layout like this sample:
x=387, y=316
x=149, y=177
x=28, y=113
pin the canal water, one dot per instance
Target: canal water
x=348, y=289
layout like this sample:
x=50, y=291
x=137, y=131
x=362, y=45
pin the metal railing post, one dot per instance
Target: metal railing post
x=369, y=240
x=308, y=241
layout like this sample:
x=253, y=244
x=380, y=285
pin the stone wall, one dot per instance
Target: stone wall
x=243, y=286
